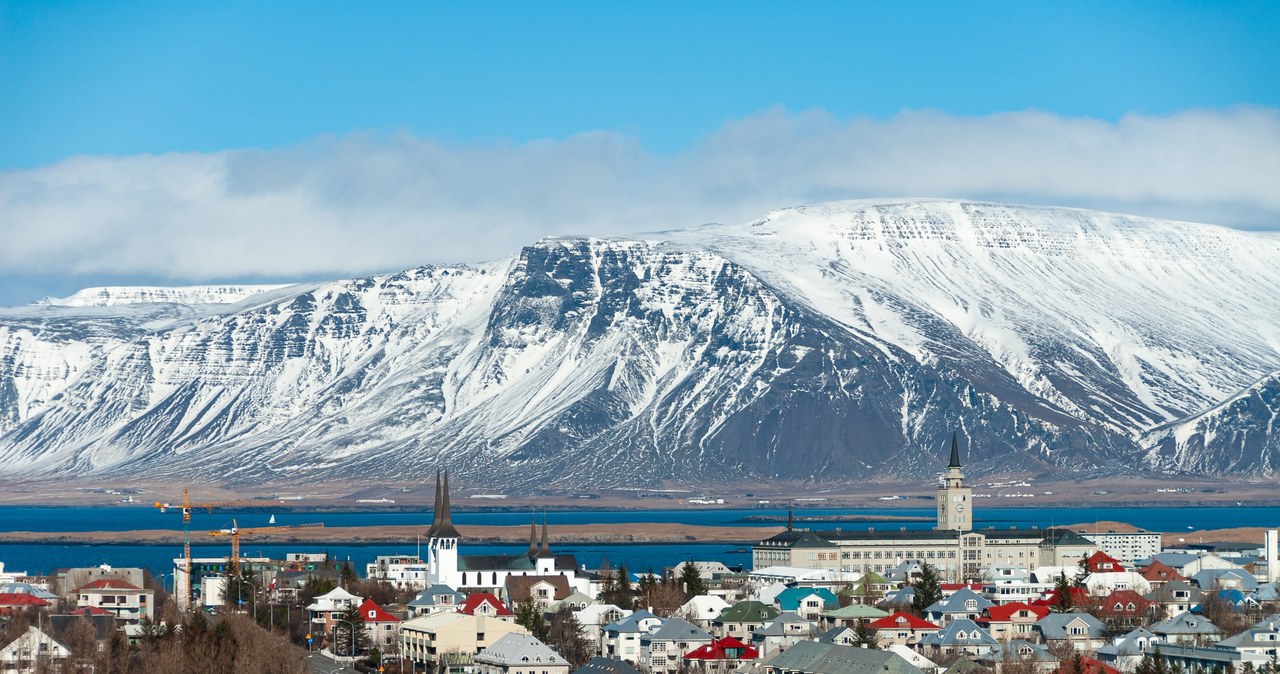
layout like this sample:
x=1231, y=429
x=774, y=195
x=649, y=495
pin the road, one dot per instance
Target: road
x=319, y=664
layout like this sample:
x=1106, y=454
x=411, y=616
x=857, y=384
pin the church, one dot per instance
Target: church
x=489, y=573
x=958, y=552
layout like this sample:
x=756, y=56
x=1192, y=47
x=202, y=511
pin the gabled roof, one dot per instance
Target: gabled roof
x=603, y=665
x=1101, y=562
x=1133, y=643
x=1089, y=666
x=519, y=650
x=750, y=611
x=1018, y=649
x=372, y=613
x=778, y=626
x=855, y=611
x=429, y=597
x=676, y=629
x=961, y=632
x=90, y=611
x=107, y=584
x=1211, y=578
x=957, y=603
x=631, y=623
x=812, y=657
x=477, y=599
x=1185, y=623
x=21, y=599
x=790, y=598
x=1054, y=625
x=833, y=635
x=1120, y=602
x=719, y=650
x=902, y=620
x=1006, y=612
x=519, y=587
x=1079, y=597
x=1159, y=572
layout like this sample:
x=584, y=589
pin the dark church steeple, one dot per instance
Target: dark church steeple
x=442, y=523
x=955, y=452
x=532, y=552
x=544, y=551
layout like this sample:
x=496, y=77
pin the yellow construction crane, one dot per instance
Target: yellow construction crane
x=233, y=562
x=186, y=506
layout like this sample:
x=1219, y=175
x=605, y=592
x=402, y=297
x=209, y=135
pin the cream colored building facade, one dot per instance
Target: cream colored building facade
x=450, y=641
x=959, y=553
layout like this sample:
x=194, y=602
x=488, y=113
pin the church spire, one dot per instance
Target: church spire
x=446, y=529
x=533, y=538
x=955, y=452
x=544, y=551
x=791, y=518
x=435, y=511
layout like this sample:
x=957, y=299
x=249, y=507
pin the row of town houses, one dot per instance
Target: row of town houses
x=814, y=602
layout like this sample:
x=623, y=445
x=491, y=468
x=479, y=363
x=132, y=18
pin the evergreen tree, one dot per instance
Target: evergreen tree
x=1062, y=602
x=864, y=636
x=349, y=632
x=529, y=616
x=927, y=587
x=691, y=580
x=624, y=584
x=348, y=574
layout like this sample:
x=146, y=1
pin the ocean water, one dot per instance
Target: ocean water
x=43, y=558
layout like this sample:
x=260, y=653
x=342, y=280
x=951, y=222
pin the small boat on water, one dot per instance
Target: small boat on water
x=272, y=520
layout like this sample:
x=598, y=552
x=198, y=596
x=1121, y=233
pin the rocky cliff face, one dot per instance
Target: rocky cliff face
x=838, y=341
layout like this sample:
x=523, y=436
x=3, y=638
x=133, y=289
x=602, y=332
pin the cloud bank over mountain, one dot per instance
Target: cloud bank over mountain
x=361, y=203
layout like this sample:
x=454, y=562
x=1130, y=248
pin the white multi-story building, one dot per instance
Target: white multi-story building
x=1126, y=546
x=402, y=572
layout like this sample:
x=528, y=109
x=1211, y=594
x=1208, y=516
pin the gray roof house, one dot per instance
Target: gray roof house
x=1124, y=652
x=662, y=649
x=519, y=651
x=812, y=657
x=1187, y=628
x=963, y=603
x=435, y=599
x=961, y=636
x=1225, y=579
x=1019, y=651
x=603, y=665
x=1083, y=631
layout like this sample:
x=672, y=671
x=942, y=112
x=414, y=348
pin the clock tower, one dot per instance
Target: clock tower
x=954, y=499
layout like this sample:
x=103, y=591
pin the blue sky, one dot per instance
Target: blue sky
x=278, y=97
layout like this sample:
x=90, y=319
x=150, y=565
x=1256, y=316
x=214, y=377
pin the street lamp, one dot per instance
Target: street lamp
x=335, y=635
x=240, y=597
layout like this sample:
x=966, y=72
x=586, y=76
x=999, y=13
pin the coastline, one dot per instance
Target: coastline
x=569, y=534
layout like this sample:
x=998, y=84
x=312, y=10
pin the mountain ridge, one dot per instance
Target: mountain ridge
x=845, y=339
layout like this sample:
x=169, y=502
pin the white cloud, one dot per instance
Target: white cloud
x=365, y=203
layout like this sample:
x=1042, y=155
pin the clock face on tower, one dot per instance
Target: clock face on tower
x=959, y=507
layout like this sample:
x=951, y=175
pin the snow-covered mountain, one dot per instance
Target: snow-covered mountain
x=844, y=340
x=111, y=296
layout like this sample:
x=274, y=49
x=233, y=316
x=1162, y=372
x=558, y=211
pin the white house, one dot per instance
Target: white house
x=30, y=650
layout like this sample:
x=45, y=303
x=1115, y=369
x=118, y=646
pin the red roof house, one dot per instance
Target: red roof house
x=484, y=603
x=726, y=649
x=382, y=627
x=1088, y=666
x=1011, y=621
x=90, y=611
x=12, y=602
x=1101, y=562
x=1159, y=573
x=1079, y=597
x=902, y=628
